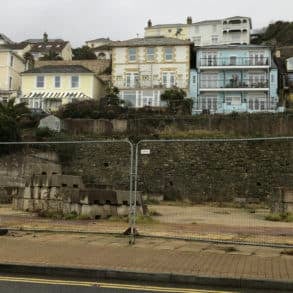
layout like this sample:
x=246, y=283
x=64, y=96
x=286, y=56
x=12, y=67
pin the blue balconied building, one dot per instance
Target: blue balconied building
x=234, y=78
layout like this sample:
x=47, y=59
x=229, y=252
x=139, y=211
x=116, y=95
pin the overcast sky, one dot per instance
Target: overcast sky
x=81, y=20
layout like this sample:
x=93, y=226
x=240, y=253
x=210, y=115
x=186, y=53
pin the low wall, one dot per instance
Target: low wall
x=92, y=126
x=237, y=125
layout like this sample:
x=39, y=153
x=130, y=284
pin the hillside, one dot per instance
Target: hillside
x=276, y=34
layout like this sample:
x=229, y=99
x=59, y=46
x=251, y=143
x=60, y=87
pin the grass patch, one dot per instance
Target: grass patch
x=145, y=220
x=286, y=217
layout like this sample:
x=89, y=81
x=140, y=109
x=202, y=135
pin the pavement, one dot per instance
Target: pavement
x=273, y=266
x=42, y=285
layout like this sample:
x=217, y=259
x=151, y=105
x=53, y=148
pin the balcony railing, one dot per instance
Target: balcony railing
x=150, y=84
x=243, y=84
x=237, y=61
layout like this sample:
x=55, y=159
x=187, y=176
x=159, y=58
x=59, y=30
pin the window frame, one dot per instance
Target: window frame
x=170, y=54
x=150, y=54
x=72, y=82
x=132, y=54
x=57, y=76
x=38, y=82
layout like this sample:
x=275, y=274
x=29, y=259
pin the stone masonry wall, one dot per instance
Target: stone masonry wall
x=198, y=171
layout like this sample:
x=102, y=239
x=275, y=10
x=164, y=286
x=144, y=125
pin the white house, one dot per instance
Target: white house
x=143, y=68
x=232, y=30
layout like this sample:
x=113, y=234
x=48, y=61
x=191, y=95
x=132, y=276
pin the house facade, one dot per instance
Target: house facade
x=232, y=30
x=143, y=68
x=49, y=87
x=234, y=78
x=12, y=63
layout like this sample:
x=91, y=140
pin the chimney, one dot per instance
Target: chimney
x=150, y=23
x=45, y=38
x=189, y=20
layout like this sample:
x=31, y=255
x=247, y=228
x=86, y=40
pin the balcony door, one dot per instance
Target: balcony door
x=209, y=80
x=132, y=80
x=168, y=79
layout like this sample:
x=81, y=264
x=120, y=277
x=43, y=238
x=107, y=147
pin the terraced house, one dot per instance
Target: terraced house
x=12, y=63
x=234, y=78
x=143, y=68
x=49, y=87
x=232, y=30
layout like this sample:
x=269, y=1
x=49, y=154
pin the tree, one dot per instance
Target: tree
x=176, y=101
x=279, y=33
x=29, y=58
x=111, y=104
x=12, y=110
x=9, y=130
x=52, y=55
x=83, y=53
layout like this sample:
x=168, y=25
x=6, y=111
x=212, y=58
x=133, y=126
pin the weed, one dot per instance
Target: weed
x=285, y=217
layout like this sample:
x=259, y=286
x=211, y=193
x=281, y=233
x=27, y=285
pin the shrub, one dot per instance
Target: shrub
x=80, y=109
x=44, y=132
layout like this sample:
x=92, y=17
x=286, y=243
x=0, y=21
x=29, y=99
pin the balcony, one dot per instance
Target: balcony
x=235, y=62
x=149, y=84
x=232, y=84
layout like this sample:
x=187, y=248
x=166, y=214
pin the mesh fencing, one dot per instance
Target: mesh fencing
x=222, y=190
x=66, y=186
x=236, y=191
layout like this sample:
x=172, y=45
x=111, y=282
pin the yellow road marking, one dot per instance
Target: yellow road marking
x=106, y=285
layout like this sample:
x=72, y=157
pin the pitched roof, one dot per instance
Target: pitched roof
x=41, y=47
x=35, y=41
x=59, y=69
x=104, y=47
x=5, y=38
x=14, y=46
x=151, y=41
x=99, y=40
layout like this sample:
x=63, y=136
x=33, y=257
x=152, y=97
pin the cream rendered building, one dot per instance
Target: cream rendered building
x=51, y=86
x=143, y=68
x=12, y=64
x=232, y=30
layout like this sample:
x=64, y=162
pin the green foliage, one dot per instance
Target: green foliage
x=29, y=58
x=83, y=53
x=80, y=109
x=286, y=217
x=111, y=105
x=279, y=33
x=15, y=111
x=44, y=133
x=52, y=55
x=9, y=130
x=177, y=104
